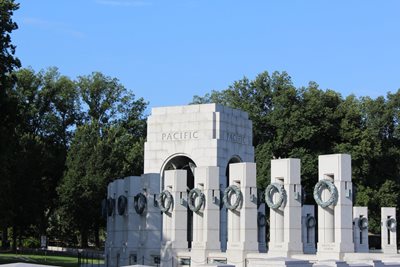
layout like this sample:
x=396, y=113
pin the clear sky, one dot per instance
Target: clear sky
x=168, y=51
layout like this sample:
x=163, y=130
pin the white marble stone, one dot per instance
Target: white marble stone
x=335, y=222
x=174, y=232
x=205, y=228
x=150, y=235
x=242, y=223
x=388, y=237
x=266, y=260
x=285, y=221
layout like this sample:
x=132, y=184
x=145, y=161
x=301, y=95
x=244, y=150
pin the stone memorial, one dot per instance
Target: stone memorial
x=197, y=203
x=184, y=137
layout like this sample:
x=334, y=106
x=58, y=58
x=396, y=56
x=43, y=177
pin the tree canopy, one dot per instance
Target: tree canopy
x=308, y=121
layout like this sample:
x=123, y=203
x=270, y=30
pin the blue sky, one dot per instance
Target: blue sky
x=168, y=51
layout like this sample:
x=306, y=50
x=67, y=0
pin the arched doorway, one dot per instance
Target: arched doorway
x=182, y=162
x=234, y=159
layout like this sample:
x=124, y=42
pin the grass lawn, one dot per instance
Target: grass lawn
x=64, y=261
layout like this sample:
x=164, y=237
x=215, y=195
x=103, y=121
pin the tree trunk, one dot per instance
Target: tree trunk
x=4, y=238
x=84, y=238
x=97, y=235
x=14, y=245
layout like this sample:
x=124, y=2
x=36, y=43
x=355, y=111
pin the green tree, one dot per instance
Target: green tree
x=108, y=145
x=48, y=109
x=8, y=110
x=308, y=121
x=8, y=62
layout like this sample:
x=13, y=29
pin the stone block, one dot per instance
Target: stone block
x=243, y=172
x=287, y=170
x=336, y=165
x=176, y=179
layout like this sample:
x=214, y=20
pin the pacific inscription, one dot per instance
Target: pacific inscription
x=182, y=135
x=236, y=138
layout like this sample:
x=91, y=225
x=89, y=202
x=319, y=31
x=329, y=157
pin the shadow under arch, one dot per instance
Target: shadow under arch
x=234, y=159
x=182, y=162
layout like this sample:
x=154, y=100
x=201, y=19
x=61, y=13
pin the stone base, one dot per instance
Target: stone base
x=389, y=249
x=334, y=251
x=333, y=263
x=279, y=262
x=215, y=265
x=309, y=248
x=262, y=247
x=199, y=257
x=285, y=249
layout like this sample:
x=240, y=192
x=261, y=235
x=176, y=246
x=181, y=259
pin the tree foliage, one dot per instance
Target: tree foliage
x=8, y=111
x=308, y=121
x=8, y=62
x=108, y=145
x=47, y=109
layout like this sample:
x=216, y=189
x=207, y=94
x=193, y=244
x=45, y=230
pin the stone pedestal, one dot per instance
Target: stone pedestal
x=360, y=229
x=150, y=236
x=174, y=234
x=206, y=220
x=242, y=223
x=335, y=229
x=285, y=221
x=120, y=237
x=334, y=263
x=109, y=245
x=133, y=223
x=308, y=226
x=261, y=227
x=388, y=236
x=266, y=260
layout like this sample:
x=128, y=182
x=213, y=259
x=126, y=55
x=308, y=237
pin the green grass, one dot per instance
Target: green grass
x=64, y=261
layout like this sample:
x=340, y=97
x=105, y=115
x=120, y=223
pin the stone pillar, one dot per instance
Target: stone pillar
x=119, y=224
x=261, y=225
x=174, y=235
x=131, y=222
x=335, y=229
x=360, y=229
x=242, y=222
x=309, y=224
x=285, y=221
x=206, y=220
x=110, y=246
x=151, y=235
x=389, y=230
